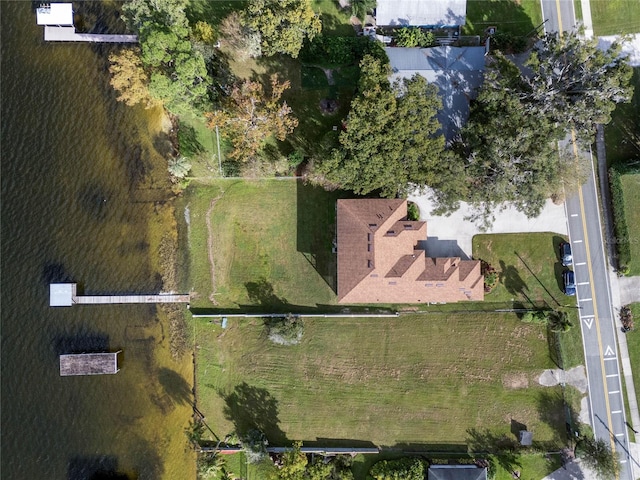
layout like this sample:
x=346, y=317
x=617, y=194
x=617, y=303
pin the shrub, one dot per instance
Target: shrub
x=626, y=317
x=188, y=143
x=254, y=444
x=509, y=43
x=490, y=276
x=285, y=331
x=619, y=221
x=403, y=468
x=414, y=37
x=413, y=212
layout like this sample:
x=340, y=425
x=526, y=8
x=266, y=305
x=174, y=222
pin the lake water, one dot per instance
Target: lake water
x=83, y=199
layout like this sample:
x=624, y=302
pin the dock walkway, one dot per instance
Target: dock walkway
x=64, y=295
x=68, y=34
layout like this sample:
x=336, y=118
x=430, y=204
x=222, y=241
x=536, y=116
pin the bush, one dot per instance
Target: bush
x=335, y=51
x=413, y=212
x=403, y=468
x=188, y=143
x=414, y=37
x=490, y=276
x=285, y=331
x=626, y=317
x=254, y=444
x=509, y=43
x=619, y=221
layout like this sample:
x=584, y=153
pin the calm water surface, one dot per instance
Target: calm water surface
x=77, y=172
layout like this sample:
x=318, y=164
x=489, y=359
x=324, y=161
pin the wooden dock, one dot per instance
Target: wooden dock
x=89, y=364
x=54, y=33
x=65, y=295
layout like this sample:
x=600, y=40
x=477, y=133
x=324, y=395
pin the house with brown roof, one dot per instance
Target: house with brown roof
x=380, y=260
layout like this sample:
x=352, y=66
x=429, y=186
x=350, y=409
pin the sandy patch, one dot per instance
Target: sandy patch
x=515, y=380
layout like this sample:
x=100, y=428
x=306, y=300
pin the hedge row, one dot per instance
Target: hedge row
x=619, y=220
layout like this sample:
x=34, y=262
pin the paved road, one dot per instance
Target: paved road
x=560, y=15
x=594, y=291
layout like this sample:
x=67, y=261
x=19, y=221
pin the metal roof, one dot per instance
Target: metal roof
x=432, y=13
x=55, y=14
x=456, y=71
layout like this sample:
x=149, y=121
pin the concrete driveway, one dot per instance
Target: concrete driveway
x=452, y=235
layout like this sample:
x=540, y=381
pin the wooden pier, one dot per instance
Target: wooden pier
x=54, y=33
x=89, y=364
x=65, y=295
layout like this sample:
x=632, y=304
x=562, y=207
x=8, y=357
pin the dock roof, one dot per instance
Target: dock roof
x=89, y=364
x=55, y=14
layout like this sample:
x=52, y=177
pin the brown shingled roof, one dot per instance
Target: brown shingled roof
x=379, y=260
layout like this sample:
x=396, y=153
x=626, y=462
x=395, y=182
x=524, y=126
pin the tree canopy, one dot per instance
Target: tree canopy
x=250, y=116
x=598, y=456
x=128, y=77
x=390, y=138
x=283, y=25
x=177, y=73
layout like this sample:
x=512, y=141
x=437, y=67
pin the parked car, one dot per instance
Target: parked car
x=569, y=282
x=565, y=254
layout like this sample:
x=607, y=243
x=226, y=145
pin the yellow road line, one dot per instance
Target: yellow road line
x=595, y=306
x=559, y=17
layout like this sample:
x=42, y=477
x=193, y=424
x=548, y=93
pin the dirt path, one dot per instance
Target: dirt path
x=210, y=246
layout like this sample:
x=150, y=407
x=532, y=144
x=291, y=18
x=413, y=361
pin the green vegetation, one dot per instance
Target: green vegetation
x=622, y=138
x=519, y=18
x=615, y=17
x=271, y=245
x=414, y=37
x=376, y=380
x=598, y=456
x=406, y=468
x=633, y=343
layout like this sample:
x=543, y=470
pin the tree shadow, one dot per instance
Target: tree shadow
x=502, y=446
x=512, y=281
x=544, y=287
x=552, y=411
x=53, y=272
x=175, y=386
x=516, y=428
x=83, y=341
x=261, y=292
x=253, y=408
x=95, y=467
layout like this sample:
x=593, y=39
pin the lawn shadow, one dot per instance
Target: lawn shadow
x=316, y=229
x=507, y=14
x=501, y=445
x=557, y=266
x=261, y=293
x=553, y=412
x=516, y=428
x=254, y=408
x=544, y=287
x=513, y=282
x=175, y=386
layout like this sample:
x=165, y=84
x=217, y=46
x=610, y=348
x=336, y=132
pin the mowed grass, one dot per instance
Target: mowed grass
x=615, y=17
x=271, y=245
x=415, y=381
x=631, y=195
x=512, y=16
x=633, y=342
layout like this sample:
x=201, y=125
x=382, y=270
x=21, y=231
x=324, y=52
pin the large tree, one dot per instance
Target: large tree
x=390, y=139
x=128, y=77
x=598, y=456
x=250, y=116
x=282, y=24
x=177, y=73
x=574, y=83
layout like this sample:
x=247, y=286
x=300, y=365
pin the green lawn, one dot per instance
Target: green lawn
x=512, y=16
x=417, y=381
x=633, y=342
x=271, y=245
x=631, y=192
x=615, y=17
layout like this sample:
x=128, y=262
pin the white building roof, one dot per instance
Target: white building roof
x=61, y=294
x=421, y=13
x=55, y=14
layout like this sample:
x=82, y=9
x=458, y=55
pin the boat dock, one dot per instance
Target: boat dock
x=68, y=34
x=89, y=364
x=65, y=295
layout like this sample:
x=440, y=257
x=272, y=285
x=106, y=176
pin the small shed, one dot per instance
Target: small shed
x=89, y=364
x=526, y=438
x=456, y=472
x=55, y=14
x=61, y=294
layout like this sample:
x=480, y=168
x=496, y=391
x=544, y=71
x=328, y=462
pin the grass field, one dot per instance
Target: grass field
x=413, y=381
x=615, y=17
x=517, y=17
x=271, y=245
x=633, y=342
x=631, y=192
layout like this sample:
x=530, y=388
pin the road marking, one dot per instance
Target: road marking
x=617, y=411
x=613, y=392
x=590, y=270
x=610, y=358
x=580, y=264
x=613, y=375
x=574, y=214
x=585, y=299
x=577, y=241
x=623, y=461
x=583, y=283
x=559, y=17
x=588, y=322
x=609, y=351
